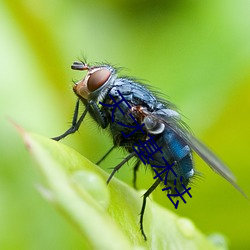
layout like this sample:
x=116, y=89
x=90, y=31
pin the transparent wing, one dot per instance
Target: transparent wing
x=176, y=125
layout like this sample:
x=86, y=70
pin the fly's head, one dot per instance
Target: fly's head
x=95, y=81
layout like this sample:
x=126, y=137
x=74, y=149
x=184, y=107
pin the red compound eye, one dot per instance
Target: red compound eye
x=97, y=79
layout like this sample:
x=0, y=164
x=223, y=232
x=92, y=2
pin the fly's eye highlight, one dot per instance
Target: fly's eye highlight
x=97, y=79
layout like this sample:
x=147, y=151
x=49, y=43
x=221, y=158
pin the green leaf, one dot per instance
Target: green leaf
x=106, y=215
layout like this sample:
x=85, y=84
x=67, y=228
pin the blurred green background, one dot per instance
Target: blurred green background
x=195, y=52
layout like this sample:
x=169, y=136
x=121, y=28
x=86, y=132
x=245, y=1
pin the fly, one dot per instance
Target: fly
x=141, y=116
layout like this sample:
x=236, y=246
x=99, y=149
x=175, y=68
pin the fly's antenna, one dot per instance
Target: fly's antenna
x=80, y=66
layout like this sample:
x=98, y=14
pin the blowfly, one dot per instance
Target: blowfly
x=135, y=116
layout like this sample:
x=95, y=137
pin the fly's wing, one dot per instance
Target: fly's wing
x=212, y=160
x=174, y=123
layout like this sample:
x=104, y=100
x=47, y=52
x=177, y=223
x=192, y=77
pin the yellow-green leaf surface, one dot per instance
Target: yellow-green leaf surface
x=106, y=216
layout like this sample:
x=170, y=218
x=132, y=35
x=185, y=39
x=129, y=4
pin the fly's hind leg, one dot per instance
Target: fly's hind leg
x=145, y=196
x=135, y=169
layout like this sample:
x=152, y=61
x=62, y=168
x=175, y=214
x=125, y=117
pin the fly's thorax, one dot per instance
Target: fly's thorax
x=94, y=84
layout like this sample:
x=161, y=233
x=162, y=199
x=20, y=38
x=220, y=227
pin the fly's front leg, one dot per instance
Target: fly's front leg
x=75, y=124
x=97, y=114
